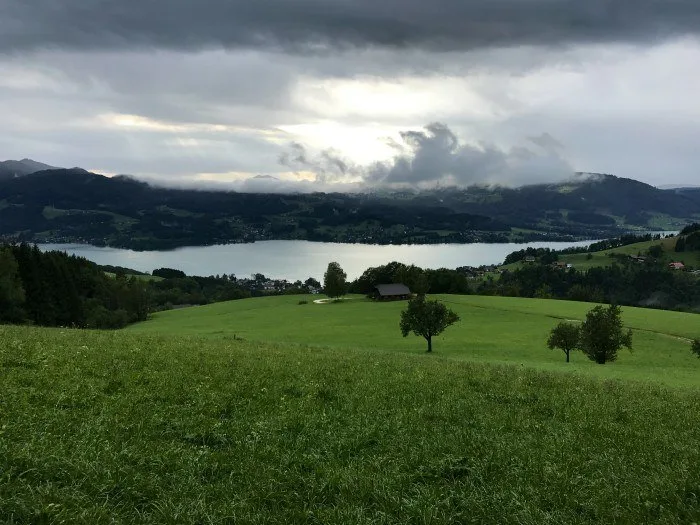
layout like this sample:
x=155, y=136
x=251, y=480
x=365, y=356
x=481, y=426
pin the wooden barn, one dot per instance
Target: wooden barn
x=391, y=292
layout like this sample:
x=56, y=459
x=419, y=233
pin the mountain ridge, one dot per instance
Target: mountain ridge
x=75, y=205
x=18, y=168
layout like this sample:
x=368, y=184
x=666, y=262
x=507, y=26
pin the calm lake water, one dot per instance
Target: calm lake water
x=294, y=260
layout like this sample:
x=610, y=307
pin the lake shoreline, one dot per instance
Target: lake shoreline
x=298, y=260
x=138, y=249
x=539, y=237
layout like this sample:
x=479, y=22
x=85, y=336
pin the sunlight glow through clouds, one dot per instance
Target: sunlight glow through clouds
x=402, y=99
x=359, y=117
x=138, y=122
x=361, y=143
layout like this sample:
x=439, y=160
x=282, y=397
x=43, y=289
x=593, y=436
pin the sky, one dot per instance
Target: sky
x=335, y=95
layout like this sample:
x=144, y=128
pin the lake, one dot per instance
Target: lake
x=294, y=260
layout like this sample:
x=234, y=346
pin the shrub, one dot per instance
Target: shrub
x=695, y=347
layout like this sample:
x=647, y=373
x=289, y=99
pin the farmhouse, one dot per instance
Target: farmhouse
x=392, y=292
x=676, y=266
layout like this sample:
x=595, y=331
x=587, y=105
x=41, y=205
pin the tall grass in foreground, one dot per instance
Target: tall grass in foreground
x=117, y=428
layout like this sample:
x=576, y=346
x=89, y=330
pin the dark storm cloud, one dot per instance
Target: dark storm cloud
x=317, y=24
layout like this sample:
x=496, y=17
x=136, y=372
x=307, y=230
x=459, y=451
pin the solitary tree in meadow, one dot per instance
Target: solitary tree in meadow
x=695, y=347
x=334, y=285
x=564, y=336
x=426, y=319
x=602, y=334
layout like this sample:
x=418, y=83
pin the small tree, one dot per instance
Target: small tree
x=602, y=334
x=334, y=281
x=312, y=283
x=564, y=336
x=695, y=347
x=426, y=319
x=656, y=251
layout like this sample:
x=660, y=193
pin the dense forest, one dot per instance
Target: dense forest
x=689, y=239
x=55, y=289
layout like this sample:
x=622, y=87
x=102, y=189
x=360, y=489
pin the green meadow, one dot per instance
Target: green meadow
x=493, y=329
x=269, y=411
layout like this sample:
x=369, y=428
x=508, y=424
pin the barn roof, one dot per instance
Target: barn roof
x=388, y=290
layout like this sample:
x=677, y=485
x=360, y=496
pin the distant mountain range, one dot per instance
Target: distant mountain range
x=41, y=204
x=10, y=169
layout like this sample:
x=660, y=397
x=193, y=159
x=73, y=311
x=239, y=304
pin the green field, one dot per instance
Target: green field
x=119, y=427
x=269, y=411
x=493, y=329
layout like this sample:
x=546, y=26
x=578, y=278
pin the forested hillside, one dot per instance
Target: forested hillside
x=74, y=205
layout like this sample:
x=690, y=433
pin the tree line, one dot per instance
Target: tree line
x=625, y=282
x=56, y=289
x=689, y=239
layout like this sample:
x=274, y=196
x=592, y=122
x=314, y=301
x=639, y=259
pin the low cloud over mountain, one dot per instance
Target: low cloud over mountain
x=435, y=156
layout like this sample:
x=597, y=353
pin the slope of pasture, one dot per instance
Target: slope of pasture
x=493, y=329
x=581, y=261
x=113, y=427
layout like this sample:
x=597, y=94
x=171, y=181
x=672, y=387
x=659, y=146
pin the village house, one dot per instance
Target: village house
x=530, y=259
x=676, y=266
x=392, y=292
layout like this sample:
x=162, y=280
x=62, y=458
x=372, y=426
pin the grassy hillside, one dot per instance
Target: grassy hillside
x=119, y=427
x=582, y=261
x=493, y=329
x=602, y=258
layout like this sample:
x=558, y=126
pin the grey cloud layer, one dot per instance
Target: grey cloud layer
x=313, y=24
x=436, y=156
